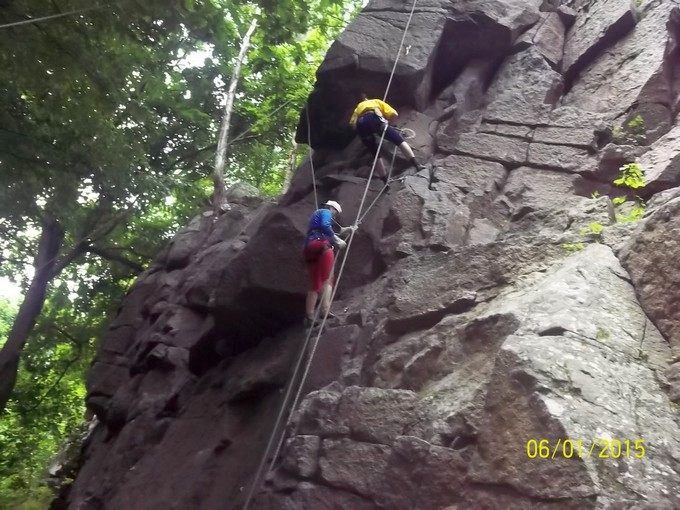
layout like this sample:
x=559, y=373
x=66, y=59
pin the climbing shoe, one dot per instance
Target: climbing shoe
x=309, y=322
x=417, y=165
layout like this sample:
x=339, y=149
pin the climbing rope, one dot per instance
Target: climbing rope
x=256, y=481
x=401, y=45
x=311, y=158
x=382, y=190
x=53, y=16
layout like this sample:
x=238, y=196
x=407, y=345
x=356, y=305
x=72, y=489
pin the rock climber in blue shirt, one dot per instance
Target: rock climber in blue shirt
x=319, y=256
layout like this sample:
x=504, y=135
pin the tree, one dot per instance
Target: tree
x=226, y=120
x=95, y=115
x=107, y=140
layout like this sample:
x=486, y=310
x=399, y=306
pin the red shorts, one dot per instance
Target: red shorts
x=319, y=266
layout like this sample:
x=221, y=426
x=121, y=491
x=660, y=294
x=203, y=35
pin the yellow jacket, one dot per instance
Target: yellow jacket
x=371, y=104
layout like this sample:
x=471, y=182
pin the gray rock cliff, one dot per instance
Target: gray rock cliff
x=475, y=316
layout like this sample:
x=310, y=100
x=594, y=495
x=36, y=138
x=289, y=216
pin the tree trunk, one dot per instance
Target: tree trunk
x=47, y=267
x=45, y=263
x=220, y=159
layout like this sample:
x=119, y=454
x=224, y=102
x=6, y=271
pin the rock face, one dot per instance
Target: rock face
x=500, y=343
x=633, y=72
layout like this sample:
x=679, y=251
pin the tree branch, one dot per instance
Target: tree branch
x=76, y=251
x=70, y=337
x=131, y=250
x=100, y=83
x=115, y=257
x=55, y=384
x=189, y=156
x=25, y=159
x=69, y=364
x=222, y=139
x=212, y=146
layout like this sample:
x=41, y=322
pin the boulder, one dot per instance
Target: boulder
x=662, y=163
x=559, y=157
x=470, y=175
x=630, y=76
x=363, y=410
x=568, y=315
x=330, y=357
x=309, y=495
x=245, y=194
x=548, y=37
x=301, y=455
x=371, y=41
x=528, y=190
x=612, y=157
x=673, y=376
x=504, y=150
x=476, y=30
x=600, y=26
x=187, y=243
x=353, y=466
x=525, y=90
x=572, y=136
x=107, y=375
x=368, y=48
x=649, y=258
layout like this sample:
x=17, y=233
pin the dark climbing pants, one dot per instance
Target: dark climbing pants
x=369, y=125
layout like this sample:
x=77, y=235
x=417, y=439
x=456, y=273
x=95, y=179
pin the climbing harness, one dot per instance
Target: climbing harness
x=315, y=343
x=314, y=255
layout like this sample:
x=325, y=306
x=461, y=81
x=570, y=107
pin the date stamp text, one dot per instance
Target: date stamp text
x=585, y=448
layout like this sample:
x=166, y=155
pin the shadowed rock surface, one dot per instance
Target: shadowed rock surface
x=475, y=314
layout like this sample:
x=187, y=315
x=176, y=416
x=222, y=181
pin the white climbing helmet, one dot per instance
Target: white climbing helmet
x=334, y=205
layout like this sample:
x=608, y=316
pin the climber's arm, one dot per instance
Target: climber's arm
x=348, y=230
x=388, y=112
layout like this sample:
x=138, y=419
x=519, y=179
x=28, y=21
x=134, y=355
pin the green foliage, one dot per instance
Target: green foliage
x=637, y=125
x=573, y=248
x=594, y=229
x=49, y=396
x=635, y=132
x=595, y=194
x=636, y=213
x=602, y=334
x=276, y=76
x=105, y=126
x=632, y=176
x=618, y=136
x=7, y=313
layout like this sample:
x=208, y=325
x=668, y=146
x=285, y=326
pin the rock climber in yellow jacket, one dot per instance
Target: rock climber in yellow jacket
x=370, y=118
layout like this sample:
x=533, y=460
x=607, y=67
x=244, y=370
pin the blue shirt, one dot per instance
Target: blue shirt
x=320, y=224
